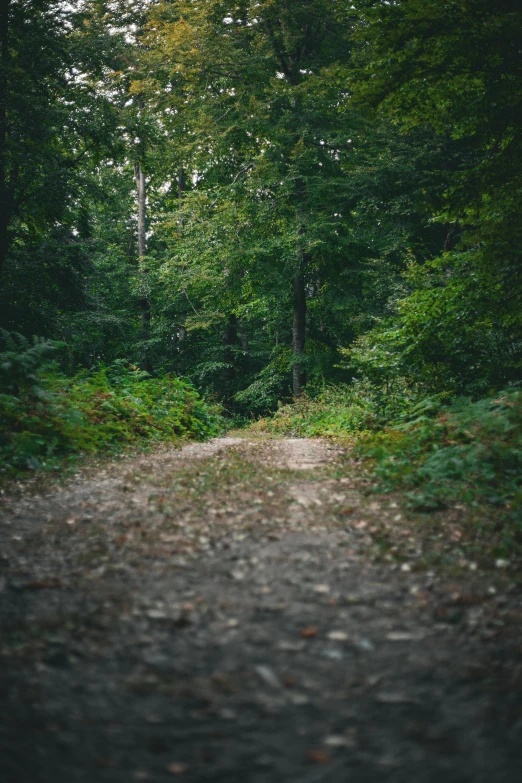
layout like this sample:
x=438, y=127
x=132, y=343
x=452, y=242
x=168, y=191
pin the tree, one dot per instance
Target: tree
x=455, y=68
x=53, y=126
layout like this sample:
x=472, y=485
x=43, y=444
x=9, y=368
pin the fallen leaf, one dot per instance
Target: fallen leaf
x=309, y=632
x=318, y=757
x=177, y=769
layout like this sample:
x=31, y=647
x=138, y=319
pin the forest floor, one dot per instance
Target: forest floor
x=246, y=611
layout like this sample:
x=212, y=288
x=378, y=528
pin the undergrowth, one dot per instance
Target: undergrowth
x=437, y=451
x=46, y=416
x=336, y=411
x=469, y=452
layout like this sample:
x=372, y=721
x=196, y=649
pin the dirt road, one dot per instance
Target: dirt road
x=228, y=613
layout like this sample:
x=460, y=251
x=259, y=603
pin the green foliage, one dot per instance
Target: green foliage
x=371, y=150
x=46, y=417
x=469, y=452
x=335, y=411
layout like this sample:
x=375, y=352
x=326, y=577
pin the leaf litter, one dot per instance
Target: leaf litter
x=221, y=612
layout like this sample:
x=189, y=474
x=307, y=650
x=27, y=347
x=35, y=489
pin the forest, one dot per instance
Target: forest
x=261, y=391
x=301, y=216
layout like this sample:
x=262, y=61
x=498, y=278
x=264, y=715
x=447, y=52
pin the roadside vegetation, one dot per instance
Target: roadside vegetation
x=47, y=417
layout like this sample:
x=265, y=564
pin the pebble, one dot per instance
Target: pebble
x=337, y=636
x=299, y=699
x=157, y=614
x=365, y=644
x=268, y=675
x=333, y=653
x=321, y=588
x=394, y=698
x=338, y=741
x=287, y=646
x=402, y=636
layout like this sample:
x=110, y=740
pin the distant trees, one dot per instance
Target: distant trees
x=238, y=191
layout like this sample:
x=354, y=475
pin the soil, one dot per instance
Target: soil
x=232, y=612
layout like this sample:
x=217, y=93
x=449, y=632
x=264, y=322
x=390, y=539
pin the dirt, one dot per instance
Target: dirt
x=230, y=612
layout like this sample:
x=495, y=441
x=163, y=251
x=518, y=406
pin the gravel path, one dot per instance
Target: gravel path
x=222, y=613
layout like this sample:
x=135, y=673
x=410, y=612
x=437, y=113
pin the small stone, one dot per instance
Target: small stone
x=405, y=567
x=157, y=614
x=394, y=698
x=268, y=676
x=264, y=762
x=338, y=741
x=402, y=636
x=227, y=714
x=502, y=563
x=290, y=646
x=154, y=718
x=299, y=699
x=321, y=588
x=352, y=598
x=365, y=644
x=337, y=636
x=332, y=653
x=238, y=576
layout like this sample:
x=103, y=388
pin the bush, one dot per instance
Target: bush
x=335, y=411
x=468, y=451
x=46, y=417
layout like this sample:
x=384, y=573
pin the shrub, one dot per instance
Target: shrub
x=45, y=416
x=467, y=451
x=335, y=411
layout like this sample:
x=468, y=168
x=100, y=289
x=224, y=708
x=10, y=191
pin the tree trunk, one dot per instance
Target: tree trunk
x=141, y=187
x=181, y=336
x=230, y=340
x=299, y=301
x=298, y=333
x=4, y=65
